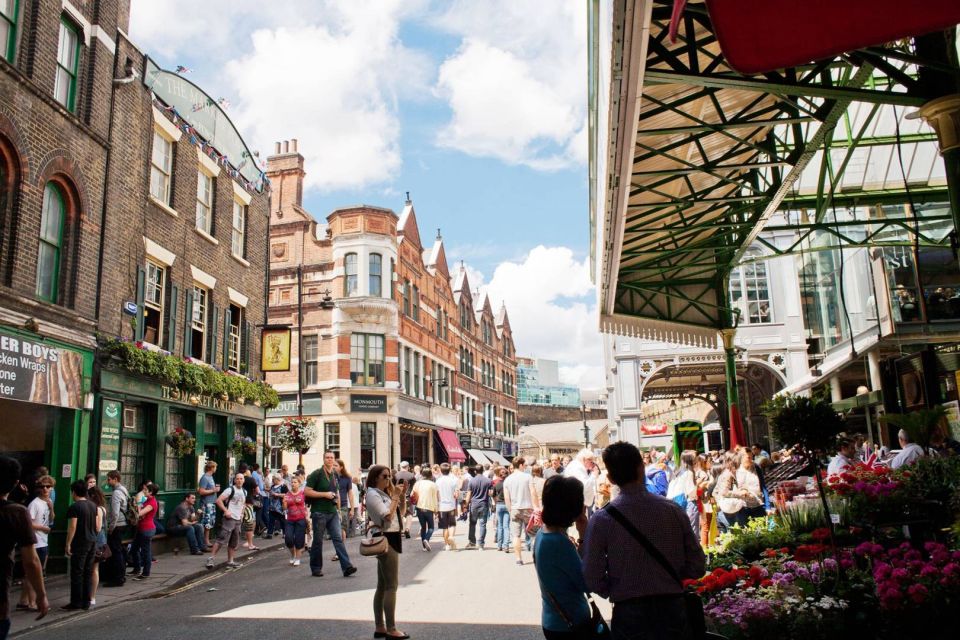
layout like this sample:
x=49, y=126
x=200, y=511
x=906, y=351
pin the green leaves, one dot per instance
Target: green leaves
x=920, y=425
x=809, y=423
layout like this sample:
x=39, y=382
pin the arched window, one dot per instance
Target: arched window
x=350, y=282
x=51, y=243
x=750, y=291
x=376, y=270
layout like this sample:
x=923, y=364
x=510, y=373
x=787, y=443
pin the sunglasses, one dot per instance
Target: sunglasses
x=46, y=486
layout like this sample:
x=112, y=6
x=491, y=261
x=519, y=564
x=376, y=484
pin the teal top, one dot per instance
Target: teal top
x=558, y=570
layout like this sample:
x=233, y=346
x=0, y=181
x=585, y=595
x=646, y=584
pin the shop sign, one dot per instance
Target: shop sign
x=312, y=406
x=368, y=404
x=210, y=402
x=110, y=413
x=33, y=371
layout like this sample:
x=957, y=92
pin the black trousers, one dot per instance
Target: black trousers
x=81, y=573
x=115, y=569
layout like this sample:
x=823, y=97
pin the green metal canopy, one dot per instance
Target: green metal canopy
x=700, y=158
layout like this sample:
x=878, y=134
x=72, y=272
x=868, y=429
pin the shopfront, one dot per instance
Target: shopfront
x=44, y=391
x=135, y=416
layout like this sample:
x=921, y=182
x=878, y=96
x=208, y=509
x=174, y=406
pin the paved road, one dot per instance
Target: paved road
x=464, y=594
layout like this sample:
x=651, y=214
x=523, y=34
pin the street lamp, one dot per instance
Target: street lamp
x=586, y=427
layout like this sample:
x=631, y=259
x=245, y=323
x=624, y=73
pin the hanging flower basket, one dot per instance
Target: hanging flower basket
x=296, y=435
x=182, y=442
x=243, y=446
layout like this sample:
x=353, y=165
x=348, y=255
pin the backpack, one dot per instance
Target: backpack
x=131, y=512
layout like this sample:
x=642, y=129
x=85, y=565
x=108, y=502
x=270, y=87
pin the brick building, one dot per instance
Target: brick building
x=57, y=64
x=385, y=371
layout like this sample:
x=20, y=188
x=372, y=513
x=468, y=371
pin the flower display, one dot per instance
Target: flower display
x=296, y=435
x=181, y=441
x=243, y=446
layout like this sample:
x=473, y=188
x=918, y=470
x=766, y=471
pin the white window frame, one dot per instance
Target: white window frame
x=161, y=169
x=198, y=318
x=739, y=283
x=205, y=205
x=239, y=224
x=154, y=287
x=233, y=363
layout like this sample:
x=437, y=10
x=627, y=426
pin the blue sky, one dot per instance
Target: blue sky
x=476, y=108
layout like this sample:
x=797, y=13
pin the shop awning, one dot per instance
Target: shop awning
x=496, y=457
x=477, y=455
x=452, y=446
x=417, y=425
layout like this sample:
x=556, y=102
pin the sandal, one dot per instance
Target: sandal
x=24, y=607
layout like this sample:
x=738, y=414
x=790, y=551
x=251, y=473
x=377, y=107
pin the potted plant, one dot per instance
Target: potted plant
x=243, y=446
x=181, y=441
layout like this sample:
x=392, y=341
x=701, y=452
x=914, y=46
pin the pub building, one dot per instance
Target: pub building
x=183, y=281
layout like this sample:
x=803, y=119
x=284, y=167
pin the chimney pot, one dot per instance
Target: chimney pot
x=286, y=146
x=276, y=150
x=294, y=144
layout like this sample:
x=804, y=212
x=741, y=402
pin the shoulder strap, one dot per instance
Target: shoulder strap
x=617, y=515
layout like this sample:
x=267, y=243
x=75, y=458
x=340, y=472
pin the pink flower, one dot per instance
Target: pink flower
x=918, y=593
x=928, y=571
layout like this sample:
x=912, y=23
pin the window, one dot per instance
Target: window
x=153, y=303
x=233, y=352
x=198, y=323
x=161, y=166
x=368, y=444
x=276, y=453
x=750, y=291
x=133, y=447
x=204, y=203
x=239, y=229
x=68, y=55
x=406, y=369
x=406, y=297
x=51, y=243
x=310, y=364
x=8, y=28
x=350, y=284
x=465, y=316
x=376, y=280
x=416, y=303
x=331, y=431
x=416, y=375
x=175, y=467
x=366, y=359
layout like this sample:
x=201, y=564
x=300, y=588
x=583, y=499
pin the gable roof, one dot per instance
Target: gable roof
x=502, y=321
x=437, y=258
x=407, y=225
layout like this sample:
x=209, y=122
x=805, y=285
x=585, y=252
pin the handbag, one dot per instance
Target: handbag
x=595, y=627
x=535, y=522
x=102, y=554
x=371, y=545
x=691, y=600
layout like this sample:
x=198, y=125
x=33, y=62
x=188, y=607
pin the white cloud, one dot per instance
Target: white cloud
x=327, y=73
x=512, y=85
x=545, y=294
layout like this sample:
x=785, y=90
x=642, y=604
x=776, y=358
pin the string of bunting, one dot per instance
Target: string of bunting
x=211, y=151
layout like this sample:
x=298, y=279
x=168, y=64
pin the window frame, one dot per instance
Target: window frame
x=71, y=96
x=331, y=437
x=239, y=232
x=10, y=51
x=311, y=364
x=165, y=172
x=415, y=303
x=232, y=358
x=370, y=444
x=204, y=178
x=366, y=360
x=57, y=192
x=739, y=278
x=200, y=309
x=375, y=278
x=148, y=302
x=351, y=280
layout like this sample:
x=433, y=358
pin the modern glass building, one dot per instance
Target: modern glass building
x=538, y=383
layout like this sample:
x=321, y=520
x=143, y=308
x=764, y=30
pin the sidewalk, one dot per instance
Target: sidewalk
x=169, y=572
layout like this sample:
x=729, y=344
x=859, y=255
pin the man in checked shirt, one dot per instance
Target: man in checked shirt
x=647, y=600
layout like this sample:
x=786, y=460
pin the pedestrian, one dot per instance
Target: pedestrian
x=655, y=475
x=582, y=469
x=383, y=500
x=322, y=493
x=248, y=524
x=479, y=490
x=295, y=523
x=846, y=454
x=427, y=497
x=553, y=467
x=645, y=586
x=348, y=505
x=208, y=489
x=16, y=531
x=231, y=503
x=275, y=521
x=683, y=489
x=95, y=495
x=408, y=478
x=141, y=551
x=518, y=493
x=183, y=522
x=448, y=491
x=118, y=529
x=565, y=611
x=82, y=526
x=40, y=511
x=729, y=497
x=259, y=512
x=501, y=513
x=748, y=479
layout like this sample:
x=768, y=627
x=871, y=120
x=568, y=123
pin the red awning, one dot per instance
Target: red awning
x=452, y=444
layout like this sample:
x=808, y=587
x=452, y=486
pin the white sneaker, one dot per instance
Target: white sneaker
x=234, y=565
x=210, y=562
x=426, y=546
x=296, y=562
x=292, y=561
x=446, y=547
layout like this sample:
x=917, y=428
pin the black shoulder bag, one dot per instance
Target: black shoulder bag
x=595, y=627
x=691, y=601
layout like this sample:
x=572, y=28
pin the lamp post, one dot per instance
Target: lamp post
x=586, y=427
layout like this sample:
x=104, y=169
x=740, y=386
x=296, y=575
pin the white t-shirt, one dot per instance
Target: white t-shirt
x=235, y=506
x=39, y=514
x=517, y=486
x=448, y=485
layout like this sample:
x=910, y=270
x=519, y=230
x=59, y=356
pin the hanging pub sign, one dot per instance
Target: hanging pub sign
x=275, y=349
x=33, y=371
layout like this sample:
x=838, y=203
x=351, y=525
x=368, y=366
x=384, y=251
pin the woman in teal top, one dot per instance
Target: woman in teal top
x=566, y=614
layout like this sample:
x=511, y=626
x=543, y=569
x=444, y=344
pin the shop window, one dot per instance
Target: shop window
x=233, y=339
x=176, y=468
x=68, y=59
x=331, y=435
x=161, y=167
x=153, y=302
x=239, y=243
x=310, y=360
x=366, y=359
x=350, y=281
x=133, y=448
x=8, y=28
x=198, y=323
x=368, y=444
x=750, y=291
x=52, y=222
x=205, y=203
x=376, y=278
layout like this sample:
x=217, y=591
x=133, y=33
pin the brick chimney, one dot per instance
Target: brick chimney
x=285, y=171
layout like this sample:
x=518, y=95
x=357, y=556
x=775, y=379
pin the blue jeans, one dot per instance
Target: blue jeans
x=295, y=533
x=276, y=523
x=426, y=524
x=141, y=552
x=329, y=522
x=503, y=526
x=193, y=533
x=478, y=513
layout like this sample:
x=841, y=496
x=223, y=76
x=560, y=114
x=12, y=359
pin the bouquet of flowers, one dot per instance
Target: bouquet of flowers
x=296, y=435
x=181, y=441
x=243, y=446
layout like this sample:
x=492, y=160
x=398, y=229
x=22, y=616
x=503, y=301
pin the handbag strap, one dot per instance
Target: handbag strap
x=617, y=515
x=556, y=604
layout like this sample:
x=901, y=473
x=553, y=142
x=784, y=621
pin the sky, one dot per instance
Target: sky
x=477, y=109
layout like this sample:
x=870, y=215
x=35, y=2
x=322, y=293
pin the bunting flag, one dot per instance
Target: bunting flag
x=182, y=70
x=224, y=103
